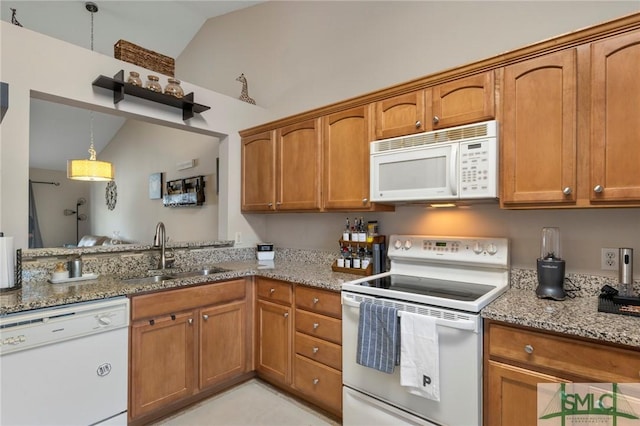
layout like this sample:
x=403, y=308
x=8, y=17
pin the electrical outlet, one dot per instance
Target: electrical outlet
x=239, y=238
x=609, y=259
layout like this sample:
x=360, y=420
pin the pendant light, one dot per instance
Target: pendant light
x=90, y=169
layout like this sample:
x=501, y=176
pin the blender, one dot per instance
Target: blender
x=550, y=266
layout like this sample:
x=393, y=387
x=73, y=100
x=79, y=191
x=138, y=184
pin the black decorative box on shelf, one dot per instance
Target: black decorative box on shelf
x=184, y=192
x=120, y=88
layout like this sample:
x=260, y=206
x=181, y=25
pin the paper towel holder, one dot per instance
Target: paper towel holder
x=17, y=279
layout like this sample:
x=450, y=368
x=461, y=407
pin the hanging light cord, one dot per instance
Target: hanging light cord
x=93, y=8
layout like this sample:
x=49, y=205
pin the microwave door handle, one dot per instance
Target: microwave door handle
x=453, y=170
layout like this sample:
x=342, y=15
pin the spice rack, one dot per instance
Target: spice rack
x=379, y=239
x=120, y=88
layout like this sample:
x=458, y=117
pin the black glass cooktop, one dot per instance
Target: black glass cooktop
x=454, y=290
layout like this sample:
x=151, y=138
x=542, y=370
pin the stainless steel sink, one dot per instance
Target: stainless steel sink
x=149, y=280
x=199, y=272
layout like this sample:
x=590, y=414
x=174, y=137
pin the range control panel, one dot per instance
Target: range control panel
x=477, y=250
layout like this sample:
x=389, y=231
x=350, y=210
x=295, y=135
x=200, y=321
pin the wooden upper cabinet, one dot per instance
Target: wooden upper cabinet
x=402, y=115
x=298, y=177
x=346, y=137
x=615, y=119
x=463, y=101
x=259, y=172
x=539, y=130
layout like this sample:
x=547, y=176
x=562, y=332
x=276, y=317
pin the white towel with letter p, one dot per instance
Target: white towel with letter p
x=419, y=355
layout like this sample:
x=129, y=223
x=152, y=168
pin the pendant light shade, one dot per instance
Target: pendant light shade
x=90, y=169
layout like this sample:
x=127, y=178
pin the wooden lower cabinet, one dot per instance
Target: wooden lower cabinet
x=186, y=343
x=517, y=358
x=274, y=341
x=162, y=362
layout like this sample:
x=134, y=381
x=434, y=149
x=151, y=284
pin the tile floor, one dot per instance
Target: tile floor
x=253, y=403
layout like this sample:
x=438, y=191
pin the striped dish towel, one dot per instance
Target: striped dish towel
x=378, y=337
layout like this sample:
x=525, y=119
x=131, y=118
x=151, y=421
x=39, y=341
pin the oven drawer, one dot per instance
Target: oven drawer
x=319, y=326
x=319, y=350
x=317, y=300
x=322, y=383
x=564, y=356
x=274, y=291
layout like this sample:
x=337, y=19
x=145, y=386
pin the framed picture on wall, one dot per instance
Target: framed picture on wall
x=155, y=186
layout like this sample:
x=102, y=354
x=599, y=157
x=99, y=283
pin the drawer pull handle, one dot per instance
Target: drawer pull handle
x=190, y=320
x=205, y=317
x=316, y=381
x=173, y=317
x=286, y=314
x=315, y=325
x=273, y=290
x=528, y=349
x=315, y=300
x=315, y=349
x=152, y=322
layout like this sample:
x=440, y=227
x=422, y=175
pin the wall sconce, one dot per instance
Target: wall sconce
x=79, y=216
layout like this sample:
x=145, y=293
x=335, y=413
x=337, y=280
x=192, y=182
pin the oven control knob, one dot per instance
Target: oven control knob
x=492, y=249
x=478, y=248
x=407, y=244
x=397, y=245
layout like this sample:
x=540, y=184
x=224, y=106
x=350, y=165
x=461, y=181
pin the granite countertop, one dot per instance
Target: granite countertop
x=42, y=294
x=577, y=316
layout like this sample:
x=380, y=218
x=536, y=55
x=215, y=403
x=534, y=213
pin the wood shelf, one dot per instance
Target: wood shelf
x=120, y=88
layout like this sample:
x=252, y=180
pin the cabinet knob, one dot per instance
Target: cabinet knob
x=598, y=188
x=286, y=314
x=270, y=205
x=278, y=203
x=315, y=325
x=316, y=381
x=315, y=349
x=436, y=119
x=271, y=291
x=365, y=200
x=205, y=317
x=315, y=300
x=567, y=190
x=418, y=124
x=528, y=349
x=190, y=321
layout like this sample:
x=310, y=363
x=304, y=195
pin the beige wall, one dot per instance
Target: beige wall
x=302, y=55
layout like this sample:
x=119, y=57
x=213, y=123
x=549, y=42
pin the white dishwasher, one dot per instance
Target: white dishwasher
x=65, y=365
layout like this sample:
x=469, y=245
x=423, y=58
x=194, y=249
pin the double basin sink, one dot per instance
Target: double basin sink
x=176, y=275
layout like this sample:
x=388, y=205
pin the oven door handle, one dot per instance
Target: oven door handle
x=460, y=324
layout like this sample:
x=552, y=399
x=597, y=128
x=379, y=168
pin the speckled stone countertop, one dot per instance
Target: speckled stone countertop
x=42, y=294
x=577, y=316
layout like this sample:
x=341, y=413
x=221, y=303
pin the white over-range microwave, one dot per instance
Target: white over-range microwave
x=459, y=163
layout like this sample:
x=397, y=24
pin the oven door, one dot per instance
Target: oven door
x=460, y=340
x=424, y=173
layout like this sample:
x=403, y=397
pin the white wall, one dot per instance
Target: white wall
x=51, y=201
x=138, y=150
x=302, y=55
x=36, y=65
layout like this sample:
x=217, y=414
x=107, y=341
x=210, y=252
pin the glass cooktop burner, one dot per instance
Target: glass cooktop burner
x=454, y=290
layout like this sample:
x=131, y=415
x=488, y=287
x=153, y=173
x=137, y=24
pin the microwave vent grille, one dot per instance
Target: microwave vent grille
x=448, y=135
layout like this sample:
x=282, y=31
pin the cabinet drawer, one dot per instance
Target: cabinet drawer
x=317, y=300
x=319, y=326
x=320, y=382
x=173, y=301
x=274, y=291
x=563, y=355
x=319, y=350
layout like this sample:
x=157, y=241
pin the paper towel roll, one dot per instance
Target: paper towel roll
x=7, y=262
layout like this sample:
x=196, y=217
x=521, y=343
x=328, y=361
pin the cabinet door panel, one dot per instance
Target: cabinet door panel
x=512, y=397
x=615, y=137
x=465, y=100
x=258, y=172
x=539, y=130
x=222, y=342
x=163, y=365
x=402, y=115
x=274, y=341
x=299, y=176
x=346, y=136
